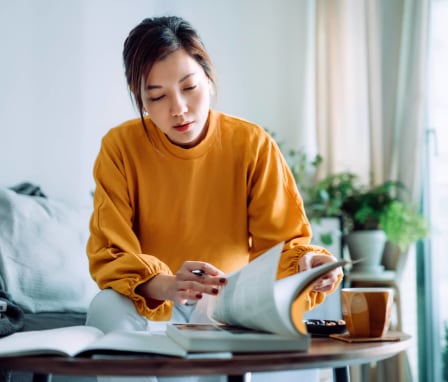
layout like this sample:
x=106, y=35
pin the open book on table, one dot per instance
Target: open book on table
x=254, y=312
x=81, y=340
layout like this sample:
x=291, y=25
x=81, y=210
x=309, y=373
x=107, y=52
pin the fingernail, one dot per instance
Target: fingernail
x=199, y=296
x=222, y=281
x=215, y=290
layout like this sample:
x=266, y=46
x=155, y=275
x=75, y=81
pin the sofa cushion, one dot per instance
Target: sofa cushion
x=43, y=261
x=51, y=320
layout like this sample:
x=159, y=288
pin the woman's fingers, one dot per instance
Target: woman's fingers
x=194, y=279
x=328, y=281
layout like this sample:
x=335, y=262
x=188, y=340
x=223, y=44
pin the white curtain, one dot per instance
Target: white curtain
x=342, y=86
x=406, y=94
x=371, y=60
x=370, y=87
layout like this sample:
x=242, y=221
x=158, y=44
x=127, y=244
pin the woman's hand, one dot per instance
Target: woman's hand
x=329, y=280
x=186, y=285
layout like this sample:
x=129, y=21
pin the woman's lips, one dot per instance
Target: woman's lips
x=183, y=126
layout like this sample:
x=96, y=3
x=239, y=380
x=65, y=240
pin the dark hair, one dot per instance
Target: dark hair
x=154, y=39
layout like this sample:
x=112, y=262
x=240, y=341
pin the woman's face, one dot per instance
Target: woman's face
x=176, y=95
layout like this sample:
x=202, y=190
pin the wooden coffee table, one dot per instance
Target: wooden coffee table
x=323, y=353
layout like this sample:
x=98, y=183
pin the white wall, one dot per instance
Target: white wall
x=62, y=84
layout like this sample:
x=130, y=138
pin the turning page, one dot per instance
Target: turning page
x=248, y=298
x=253, y=298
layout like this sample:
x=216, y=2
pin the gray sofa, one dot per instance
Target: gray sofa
x=44, y=267
x=43, y=263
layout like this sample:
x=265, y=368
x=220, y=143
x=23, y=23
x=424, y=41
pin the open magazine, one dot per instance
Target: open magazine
x=270, y=310
x=254, y=312
x=255, y=299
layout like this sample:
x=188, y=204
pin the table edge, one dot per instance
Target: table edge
x=172, y=366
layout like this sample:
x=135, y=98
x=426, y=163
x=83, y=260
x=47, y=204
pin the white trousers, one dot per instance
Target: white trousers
x=110, y=311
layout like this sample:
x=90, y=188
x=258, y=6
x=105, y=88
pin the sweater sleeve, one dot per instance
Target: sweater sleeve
x=276, y=213
x=115, y=257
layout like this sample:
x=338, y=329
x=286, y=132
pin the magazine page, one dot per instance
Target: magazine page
x=248, y=298
x=288, y=290
x=62, y=341
x=253, y=298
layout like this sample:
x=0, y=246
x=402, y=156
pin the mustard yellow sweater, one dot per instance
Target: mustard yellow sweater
x=225, y=202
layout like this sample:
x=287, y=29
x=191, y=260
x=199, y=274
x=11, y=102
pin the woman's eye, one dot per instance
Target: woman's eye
x=155, y=99
x=192, y=87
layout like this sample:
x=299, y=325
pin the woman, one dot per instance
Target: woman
x=185, y=187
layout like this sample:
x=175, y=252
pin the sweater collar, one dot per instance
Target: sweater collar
x=163, y=143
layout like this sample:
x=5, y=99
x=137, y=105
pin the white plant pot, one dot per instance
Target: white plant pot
x=367, y=246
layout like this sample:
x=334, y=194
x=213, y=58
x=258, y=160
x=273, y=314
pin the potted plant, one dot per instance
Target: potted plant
x=374, y=215
x=325, y=197
x=323, y=212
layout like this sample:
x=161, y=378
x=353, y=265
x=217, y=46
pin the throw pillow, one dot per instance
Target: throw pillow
x=43, y=260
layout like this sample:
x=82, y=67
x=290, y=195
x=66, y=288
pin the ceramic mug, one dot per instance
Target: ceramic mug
x=367, y=311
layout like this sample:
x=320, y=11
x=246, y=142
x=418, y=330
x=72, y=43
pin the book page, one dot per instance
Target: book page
x=288, y=289
x=136, y=341
x=248, y=298
x=255, y=299
x=62, y=341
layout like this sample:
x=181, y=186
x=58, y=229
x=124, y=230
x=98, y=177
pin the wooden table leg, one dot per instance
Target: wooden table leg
x=341, y=374
x=41, y=377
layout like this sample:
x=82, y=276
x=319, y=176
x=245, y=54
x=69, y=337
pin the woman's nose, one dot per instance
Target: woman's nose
x=178, y=105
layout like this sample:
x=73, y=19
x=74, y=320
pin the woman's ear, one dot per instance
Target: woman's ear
x=212, y=92
x=211, y=87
